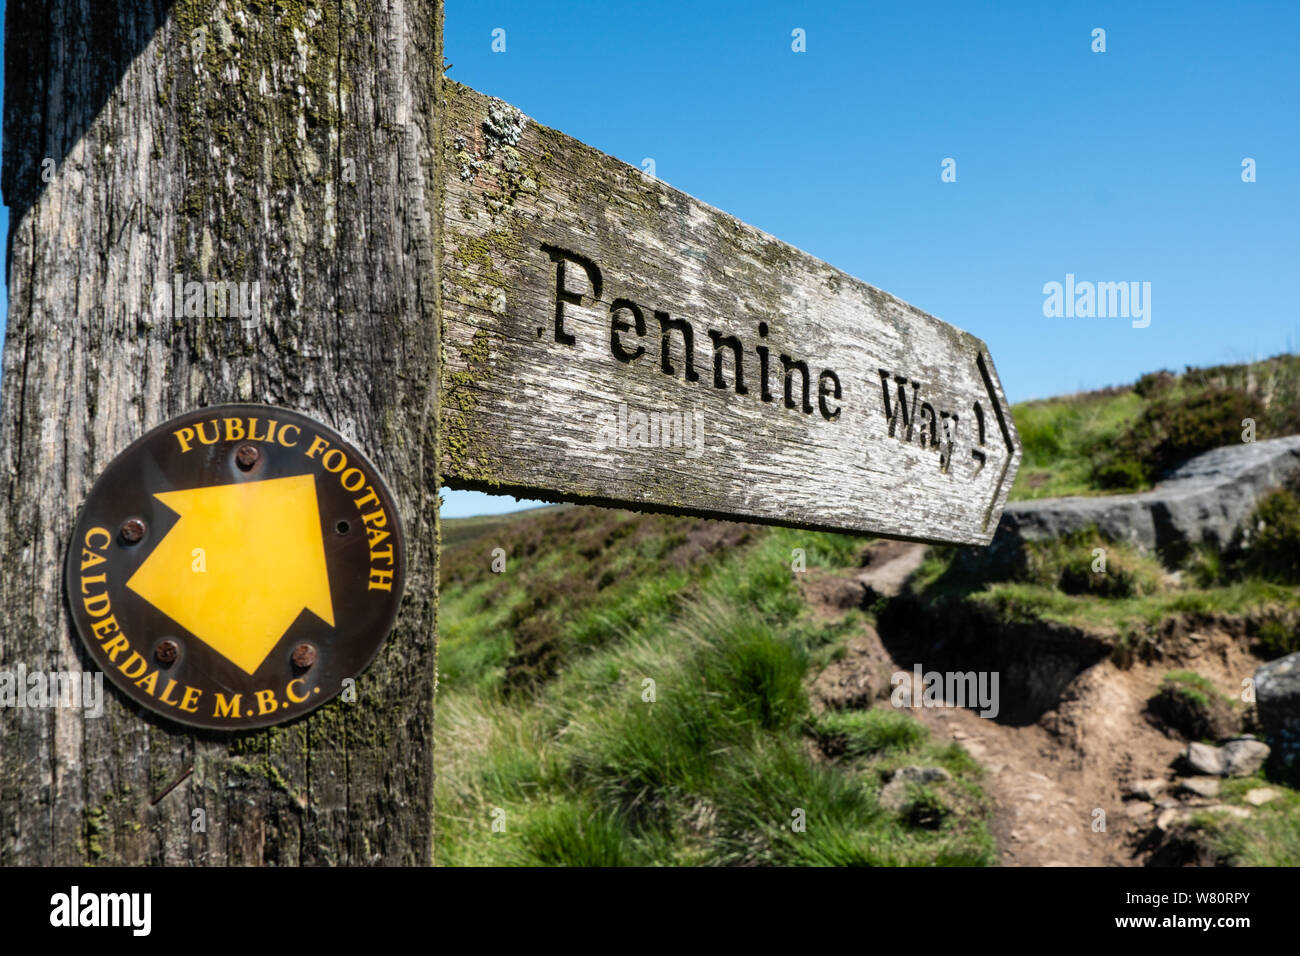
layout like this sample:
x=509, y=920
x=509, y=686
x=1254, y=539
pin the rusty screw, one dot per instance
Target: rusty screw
x=132, y=530
x=304, y=656
x=166, y=651
x=247, y=456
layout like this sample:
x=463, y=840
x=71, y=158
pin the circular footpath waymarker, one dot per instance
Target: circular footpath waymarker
x=235, y=566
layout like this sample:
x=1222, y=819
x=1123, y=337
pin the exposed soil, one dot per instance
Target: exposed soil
x=1050, y=775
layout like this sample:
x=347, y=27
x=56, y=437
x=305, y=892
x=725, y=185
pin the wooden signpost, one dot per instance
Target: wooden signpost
x=611, y=340
x=605, y=339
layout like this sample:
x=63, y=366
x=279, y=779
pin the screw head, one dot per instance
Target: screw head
x=247, y=456
x=167, y=651
x=133, y=530
x=304, y=656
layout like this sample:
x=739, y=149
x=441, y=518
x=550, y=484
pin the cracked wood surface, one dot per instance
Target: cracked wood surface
x=570, y=282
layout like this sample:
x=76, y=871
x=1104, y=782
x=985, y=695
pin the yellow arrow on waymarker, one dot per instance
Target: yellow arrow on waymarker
x=240, y=565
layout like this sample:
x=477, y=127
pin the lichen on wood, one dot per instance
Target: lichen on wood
x=583, y=276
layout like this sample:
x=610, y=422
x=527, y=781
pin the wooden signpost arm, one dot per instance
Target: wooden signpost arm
x=611, y=340
x=212, y=204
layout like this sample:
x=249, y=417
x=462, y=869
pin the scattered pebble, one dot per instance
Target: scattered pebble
x=1261, y=795
x=1147, y=789
x=1201, y=786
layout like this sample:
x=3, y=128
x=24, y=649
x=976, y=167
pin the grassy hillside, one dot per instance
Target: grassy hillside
x=632, y=689
x=1121, y=439
x=463, y=531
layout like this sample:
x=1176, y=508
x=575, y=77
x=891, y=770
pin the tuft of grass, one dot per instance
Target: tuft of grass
x=1205, y=566
x=1086, y=563
x=1191, y=684
x=1274, y=552
x=1279, y=637
x=1191, y=704
x=1029, y=602
x=572, y=833
x=1063, y=437
x=1269, y=837
x=1120, y=474
x=857, y=733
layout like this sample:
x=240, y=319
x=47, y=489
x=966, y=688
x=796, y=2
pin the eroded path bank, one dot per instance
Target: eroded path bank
x=1088, y=781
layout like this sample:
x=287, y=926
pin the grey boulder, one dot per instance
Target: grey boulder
x=1243, y=757
x=894, y=795
x=1236, y=758
x=1277, y=698
x=1205, y=760
x=1208, y=499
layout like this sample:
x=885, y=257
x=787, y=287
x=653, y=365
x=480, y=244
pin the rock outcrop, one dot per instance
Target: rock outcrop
x=1239, y=757
x=1277, y=698
x=1208, y=499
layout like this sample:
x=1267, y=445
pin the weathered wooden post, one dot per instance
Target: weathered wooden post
x=283, y=152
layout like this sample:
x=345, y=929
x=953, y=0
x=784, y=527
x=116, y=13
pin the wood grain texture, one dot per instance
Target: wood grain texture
x=548, y=405
x=288, y=144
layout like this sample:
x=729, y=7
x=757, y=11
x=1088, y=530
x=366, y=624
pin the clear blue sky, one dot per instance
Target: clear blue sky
x=1115, y=166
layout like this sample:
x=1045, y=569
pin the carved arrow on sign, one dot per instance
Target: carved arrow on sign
x=611, y=340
